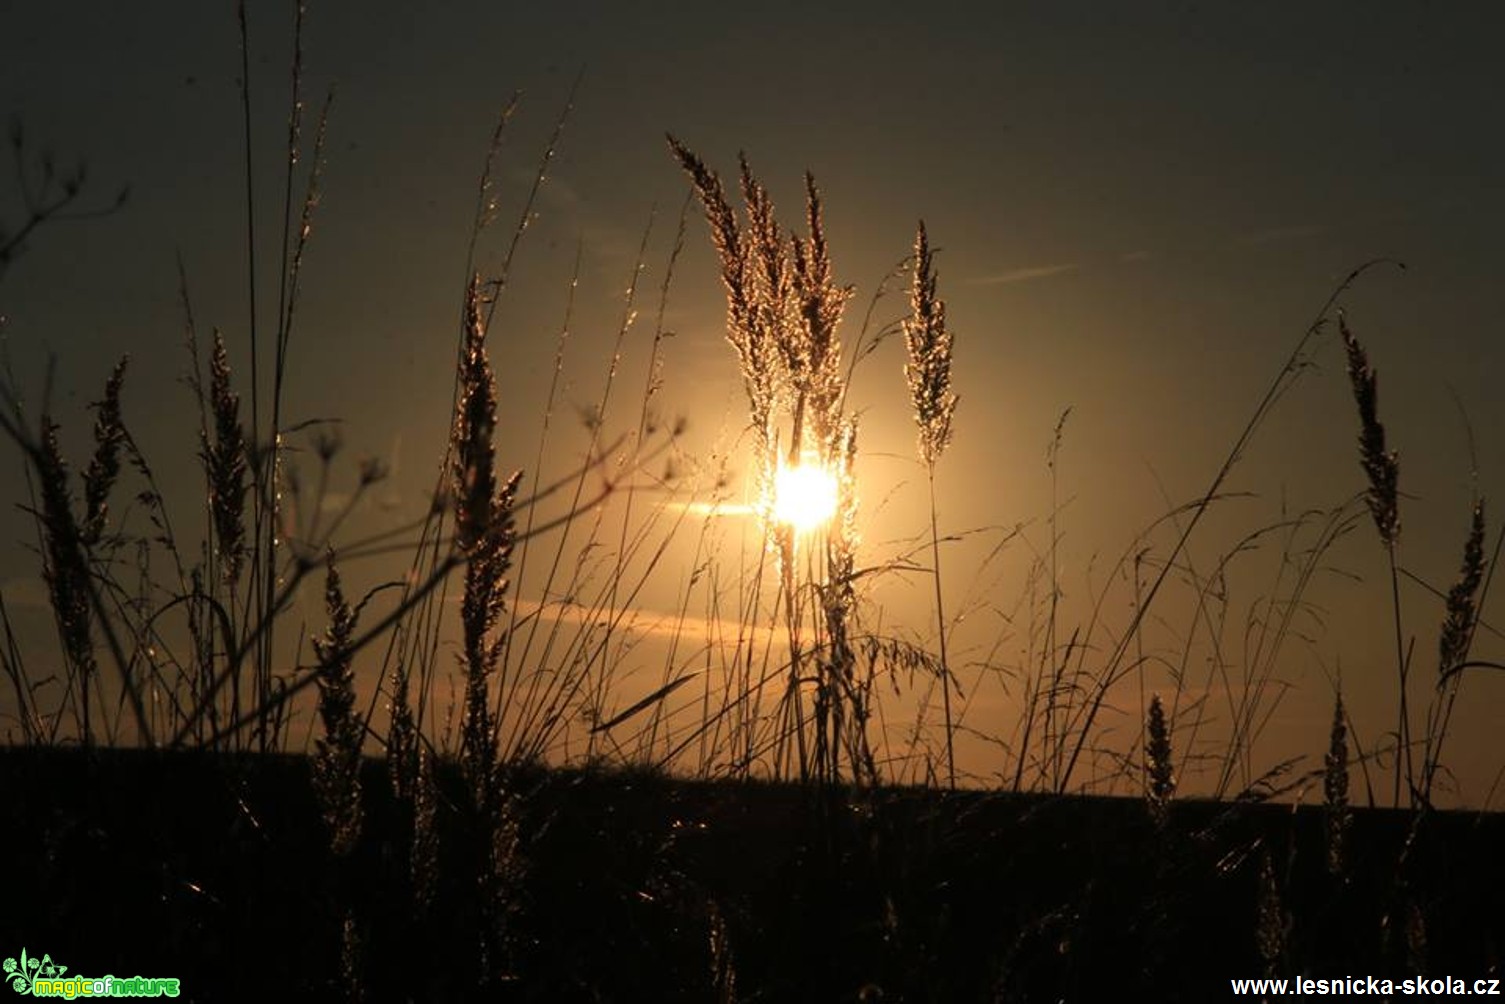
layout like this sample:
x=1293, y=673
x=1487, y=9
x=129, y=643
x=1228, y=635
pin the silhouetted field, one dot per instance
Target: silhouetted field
x=636, y=886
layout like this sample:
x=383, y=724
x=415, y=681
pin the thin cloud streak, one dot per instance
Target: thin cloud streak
x=1023, y=274
x=711, y=508
x=643, y=623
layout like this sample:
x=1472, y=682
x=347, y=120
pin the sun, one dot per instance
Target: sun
x=804, y=496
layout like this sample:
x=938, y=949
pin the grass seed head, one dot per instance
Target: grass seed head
x=928, y=369
x=224, y=462
x=104, y=466
x=337, y=757
x=1157, y=755
x=1458, y=623
x=65, y=566
x=1381, y=466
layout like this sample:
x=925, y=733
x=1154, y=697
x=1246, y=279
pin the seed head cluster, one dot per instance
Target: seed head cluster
x=929, y=347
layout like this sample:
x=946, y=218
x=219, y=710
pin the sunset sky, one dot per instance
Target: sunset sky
x=1139, y=209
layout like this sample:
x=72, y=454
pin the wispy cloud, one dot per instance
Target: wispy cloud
x=1276, y=234
x=643, y=623
x=1023, y=274
x=709, y=509
x=1135, y=256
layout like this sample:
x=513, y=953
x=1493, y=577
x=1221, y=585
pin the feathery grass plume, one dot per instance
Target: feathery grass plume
x=747, y=290
x=484, y=534
x=224, y=462
x=104, y=466
x=812, y=353
x=1454, y=642
x=337, y=759
x=1159, y=774
x=928, y=372
x=928, y=369
x=771, y=280
x=66, y=571
x=763, y=330
x=1336, y=815
x=818, y=304
x=1458, y=624
x=1381, y=466
x=337, y=766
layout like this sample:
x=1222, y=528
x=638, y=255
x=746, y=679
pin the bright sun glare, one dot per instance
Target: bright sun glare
x=804, y=496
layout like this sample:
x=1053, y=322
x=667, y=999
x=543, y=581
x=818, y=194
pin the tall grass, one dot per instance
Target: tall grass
x=550, y=576
x=1461, y=607
x=783, y=312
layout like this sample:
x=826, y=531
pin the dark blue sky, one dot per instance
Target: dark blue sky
x=1139, y=210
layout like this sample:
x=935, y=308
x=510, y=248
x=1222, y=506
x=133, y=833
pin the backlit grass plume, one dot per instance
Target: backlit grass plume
x=337, y=766
x=224, y=460
x=65, y=569
x=928, y=371
x=1458, y=622
x=1457, y=634
x=1382, y=469
x=813, y=355
x=784, y=308
x=751, y=274
x=484, y=535
x=337, y=757
x=104, y=467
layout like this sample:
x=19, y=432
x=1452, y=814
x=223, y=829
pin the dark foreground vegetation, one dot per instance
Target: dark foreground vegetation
x=217, y=870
